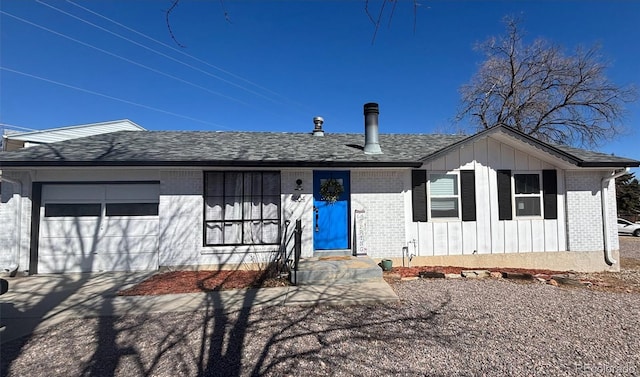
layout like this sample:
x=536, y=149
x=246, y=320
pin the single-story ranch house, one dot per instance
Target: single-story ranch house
x=140, y=200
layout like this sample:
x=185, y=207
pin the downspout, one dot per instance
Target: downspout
x=605, y=218
x=18, y=216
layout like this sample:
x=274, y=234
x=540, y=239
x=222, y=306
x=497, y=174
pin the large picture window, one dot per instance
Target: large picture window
x=444, y=195
x=242, y=208
x=527, y=194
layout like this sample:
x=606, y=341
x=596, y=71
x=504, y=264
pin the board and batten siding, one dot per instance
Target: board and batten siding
x=488, y=234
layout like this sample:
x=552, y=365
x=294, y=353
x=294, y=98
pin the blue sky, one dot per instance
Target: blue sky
x=278, y=64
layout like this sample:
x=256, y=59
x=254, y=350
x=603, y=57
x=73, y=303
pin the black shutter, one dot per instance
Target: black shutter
x=419, y=194
x=550, y=194
x=468, y=194
x=504, y=195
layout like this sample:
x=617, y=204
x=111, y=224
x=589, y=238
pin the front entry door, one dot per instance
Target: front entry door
x=331, y=219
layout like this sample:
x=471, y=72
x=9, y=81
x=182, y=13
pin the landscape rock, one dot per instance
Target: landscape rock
x=496, y=274
x=545, y=277
x=566, y=280
x=517, y=275
x=476, y=274
x=431, y=275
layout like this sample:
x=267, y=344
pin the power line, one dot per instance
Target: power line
x=113, y=98
x=157, y=52
x=190, y=56
x=123, y=58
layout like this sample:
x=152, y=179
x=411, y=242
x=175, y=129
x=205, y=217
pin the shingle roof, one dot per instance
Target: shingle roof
x=228, y=148
x=590, y=158
x=165, y=148
x=576, y=156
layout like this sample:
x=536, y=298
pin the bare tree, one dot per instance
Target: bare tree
x=539, y=90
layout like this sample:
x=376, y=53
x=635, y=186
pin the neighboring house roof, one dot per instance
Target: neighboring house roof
x=54, y=135
x=164, y=148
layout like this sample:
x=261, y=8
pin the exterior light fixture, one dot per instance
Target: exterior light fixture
x=298, y=185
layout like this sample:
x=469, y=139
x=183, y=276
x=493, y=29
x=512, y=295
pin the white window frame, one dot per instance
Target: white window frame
x=538, y=195
x=457, y=196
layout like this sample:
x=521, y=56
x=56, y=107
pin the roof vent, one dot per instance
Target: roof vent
x=317, y=128
x=371, y=132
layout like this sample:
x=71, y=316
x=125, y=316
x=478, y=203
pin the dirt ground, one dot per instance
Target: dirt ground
x=627, y=280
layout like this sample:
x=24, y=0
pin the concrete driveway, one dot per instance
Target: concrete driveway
x=45, y=300
x=41, y=301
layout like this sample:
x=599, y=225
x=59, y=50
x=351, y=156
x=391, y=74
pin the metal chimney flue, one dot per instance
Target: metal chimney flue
x=317, y=126
x=371, y=129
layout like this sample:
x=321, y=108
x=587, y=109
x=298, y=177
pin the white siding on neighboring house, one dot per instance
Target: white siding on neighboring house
x=488, y=234
x=19, y=140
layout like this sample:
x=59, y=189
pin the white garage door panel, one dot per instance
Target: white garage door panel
x=74, y=246
x=98, y=243
x=147, y=226
x=63, y=227
x=77, y=193
x=139, y=193
x=128, y=245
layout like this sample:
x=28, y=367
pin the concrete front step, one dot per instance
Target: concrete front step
x=332, y=253
x=336, y=270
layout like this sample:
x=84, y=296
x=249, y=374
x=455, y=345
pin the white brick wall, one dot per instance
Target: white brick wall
x=584, y=211
x=180, y=211
x=7, y=219
x=380, y=194
x=182, y=224
x=14, y=244
x=298, y=205
x=612, y=214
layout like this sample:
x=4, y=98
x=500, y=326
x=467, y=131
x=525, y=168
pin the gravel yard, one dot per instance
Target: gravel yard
x=629, y=247
x=457, y=327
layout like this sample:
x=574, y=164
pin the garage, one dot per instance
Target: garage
x=98, y=227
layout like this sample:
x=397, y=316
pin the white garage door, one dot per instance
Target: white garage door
x=98, y=227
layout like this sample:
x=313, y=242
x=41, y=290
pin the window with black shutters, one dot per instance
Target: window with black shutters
x=443, y=196
x=527, y=194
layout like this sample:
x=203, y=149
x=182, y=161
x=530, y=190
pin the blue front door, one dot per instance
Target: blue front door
x=331, y=219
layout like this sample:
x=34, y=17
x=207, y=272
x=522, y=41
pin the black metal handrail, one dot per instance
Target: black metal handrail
x=297, y=249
